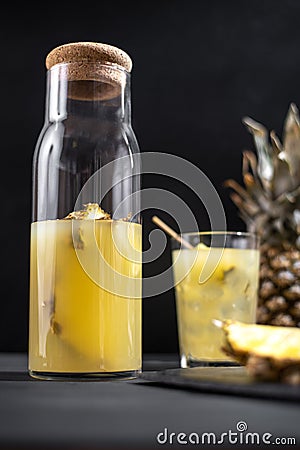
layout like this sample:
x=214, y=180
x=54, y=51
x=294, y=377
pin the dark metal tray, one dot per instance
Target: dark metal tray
x=223, y=380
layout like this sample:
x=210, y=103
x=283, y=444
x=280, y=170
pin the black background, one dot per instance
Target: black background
x=199, y=67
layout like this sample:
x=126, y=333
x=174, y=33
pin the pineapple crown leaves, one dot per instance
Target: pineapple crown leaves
x=269, y=201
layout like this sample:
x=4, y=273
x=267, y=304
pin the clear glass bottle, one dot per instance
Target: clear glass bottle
x=85, y=271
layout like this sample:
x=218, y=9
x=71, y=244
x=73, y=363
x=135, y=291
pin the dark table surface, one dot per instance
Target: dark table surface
x=126, y=414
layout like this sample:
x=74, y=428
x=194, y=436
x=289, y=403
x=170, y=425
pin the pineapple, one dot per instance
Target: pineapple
x=269, y=204
x=268, y=353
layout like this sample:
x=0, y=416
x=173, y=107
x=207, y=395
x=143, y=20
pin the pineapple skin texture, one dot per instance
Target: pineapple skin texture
x=269, y=353
x=279, y=290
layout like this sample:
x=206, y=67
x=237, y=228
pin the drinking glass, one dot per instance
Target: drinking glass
x=216, y=278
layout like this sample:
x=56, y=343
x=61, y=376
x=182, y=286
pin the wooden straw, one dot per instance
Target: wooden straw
x=171, y=232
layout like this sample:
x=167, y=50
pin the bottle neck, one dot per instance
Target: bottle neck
x=97, y=91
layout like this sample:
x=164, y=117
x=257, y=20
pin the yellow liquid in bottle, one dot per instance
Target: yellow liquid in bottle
x=77, y=325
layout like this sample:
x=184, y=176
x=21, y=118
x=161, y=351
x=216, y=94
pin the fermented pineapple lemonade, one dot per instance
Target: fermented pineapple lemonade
x=76, y=325
x=230, y=292
x=85, y=268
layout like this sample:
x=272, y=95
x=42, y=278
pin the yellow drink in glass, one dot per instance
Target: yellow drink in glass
x=230, y=292
x=76, y=325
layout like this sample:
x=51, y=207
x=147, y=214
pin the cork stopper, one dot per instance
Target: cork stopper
x=103, y=80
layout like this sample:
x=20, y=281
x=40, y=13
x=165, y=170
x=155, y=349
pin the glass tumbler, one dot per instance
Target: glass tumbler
x=216, y=278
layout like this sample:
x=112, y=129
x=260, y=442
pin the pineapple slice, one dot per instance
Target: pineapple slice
x=268, y=352
x=91, y=211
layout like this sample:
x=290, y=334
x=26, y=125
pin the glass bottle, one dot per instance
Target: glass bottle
x=85, y=270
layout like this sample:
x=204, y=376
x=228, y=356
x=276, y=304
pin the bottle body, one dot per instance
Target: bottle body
x=85, y=270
